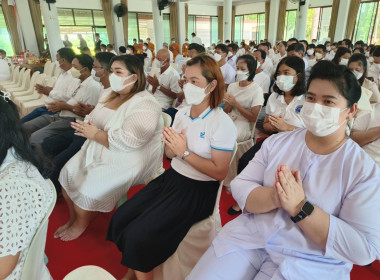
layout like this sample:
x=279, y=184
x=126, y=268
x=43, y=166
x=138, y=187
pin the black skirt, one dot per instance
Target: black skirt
x=148, y=228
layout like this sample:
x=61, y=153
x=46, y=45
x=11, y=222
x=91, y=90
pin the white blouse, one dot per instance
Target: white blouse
x=25, y=197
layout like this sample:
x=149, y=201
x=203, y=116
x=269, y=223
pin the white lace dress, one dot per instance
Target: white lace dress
x=25, y=197
x=96, y=177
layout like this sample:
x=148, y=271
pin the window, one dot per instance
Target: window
x=250, y=27
x=146, y=29
x=133, y=31
x=367, y=23
x=206, y=28
x=290, y=24
x=5, y=39
x=318, y=23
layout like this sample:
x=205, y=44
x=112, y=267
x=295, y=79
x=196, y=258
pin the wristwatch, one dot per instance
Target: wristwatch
x=185, y=154
x=306, y=210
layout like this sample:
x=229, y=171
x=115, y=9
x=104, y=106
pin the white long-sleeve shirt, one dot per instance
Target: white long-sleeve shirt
x=60, y=91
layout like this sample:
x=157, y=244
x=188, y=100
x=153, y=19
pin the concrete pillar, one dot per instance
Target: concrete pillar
x=341, y=22
x=274, y=10
x=118, y=29
x=158, y=23
x=52, y=28
x=25, y=19
x=181, y=22
x=301, y=20
x=227, y=17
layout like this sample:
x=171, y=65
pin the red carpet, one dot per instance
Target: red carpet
x=92, y=249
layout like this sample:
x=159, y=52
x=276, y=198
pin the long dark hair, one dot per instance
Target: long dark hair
x=14, y=136
x=362, y=61
x=298, y=65
x=339, y=53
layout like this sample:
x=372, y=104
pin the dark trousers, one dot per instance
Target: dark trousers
x=62, y=148
x=171, y=112
x=248, y=156
x=36, y=113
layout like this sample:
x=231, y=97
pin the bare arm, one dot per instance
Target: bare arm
x=252, y=115
x=262, y=200
x=7, y=264
x=267, y=126
x=365, y=137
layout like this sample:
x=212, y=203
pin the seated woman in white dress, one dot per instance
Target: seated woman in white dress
x=123, y=147
x=149, y=227
x=25, y=196
x=310, y=197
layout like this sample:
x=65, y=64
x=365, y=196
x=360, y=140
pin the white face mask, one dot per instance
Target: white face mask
x=217, y=57
x=230, y=54
x=321, y=120
x=93, y=74
x=173, y=42
x=318, y=56
x=357, y=74
x=144, y=48
x=241, y=76
x=194, y=95
x=310, y=51
x=328, y=48
x=186, y=41
x=343, y=61
x=371, y=59
x=285, y=83
x=367, y=54
x=128, y=52
x=117, y=83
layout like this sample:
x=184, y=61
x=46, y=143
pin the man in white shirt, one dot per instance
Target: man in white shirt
x=166, y=47
x=5, y=72
x=296, y=49
x=165, y=85
x=3, y=56
x=229, y=74
x=232, y=57
x=196, y=39
x=110, y=49
x=267, y=66
x=59, y=91
x=281, y=53
x=86, y=92
x=261, y=78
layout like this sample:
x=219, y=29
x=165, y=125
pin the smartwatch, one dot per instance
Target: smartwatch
x=306, y=210
x=185, y=154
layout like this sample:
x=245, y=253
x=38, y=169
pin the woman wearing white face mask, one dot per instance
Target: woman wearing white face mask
x=149, y=227
x=285, y=103
x=310, y=197
x=123, y=131
x=358, y=65
x=342, y=56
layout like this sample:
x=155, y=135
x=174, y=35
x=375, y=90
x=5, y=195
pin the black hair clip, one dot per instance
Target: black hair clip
x=6, y=96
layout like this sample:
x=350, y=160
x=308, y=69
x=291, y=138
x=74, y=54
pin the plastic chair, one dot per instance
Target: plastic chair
x=18, y=81
x=14, y=77
x=30, y=89
x=89, y=272
x=24, y=83
x=19, y=98
x=35, y=257
x=57, y=71
x=193, y=246
x=49, y=68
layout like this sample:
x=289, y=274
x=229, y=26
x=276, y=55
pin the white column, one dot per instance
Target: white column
x=341, y=21
x=227, y=18
x=158, y=23
x=52, y=28
x=274, y=10
x=301, y=19
x=118, y=29
x=181, y=22
x=27, y=27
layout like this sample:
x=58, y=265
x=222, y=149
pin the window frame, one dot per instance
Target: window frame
x=258, y=24
x=370, y=38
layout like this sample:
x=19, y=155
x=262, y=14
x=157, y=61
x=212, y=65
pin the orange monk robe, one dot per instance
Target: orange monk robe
x=137, y=48
x=185, y=48
x=175, y=49
x=151, y=47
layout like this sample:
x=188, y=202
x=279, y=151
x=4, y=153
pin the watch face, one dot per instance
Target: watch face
x=308, y=208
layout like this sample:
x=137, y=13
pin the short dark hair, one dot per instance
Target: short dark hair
x=376, y=51
x=103, y=45
x=348, y=42
x=360, y=49
x=131, y=47
x=304, y=41
x=193, y=34
x=361, y=43
x=362, y=61
x=85, y=60
x=110, y=46
x=66, y=53
x=3, y=52
x=311, y=46
x=283, y=42
x=234, y=47
x=222, y=47
x=104, y=59
x=198, y=48
x=263, y=54
x=320, y=46
x=293, y=39
x=122, y=49
x=14, y=136
x=298, y=65
x=342, y=78
x=297, y=47
x=327, y=42
x=251, y=65
x=97, y=34
x=339, y=53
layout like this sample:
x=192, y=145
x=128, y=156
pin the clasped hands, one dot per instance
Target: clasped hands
x=278, y=123
x=174, y=140
x=84, y=129
x=230, y=99
x=288, y=192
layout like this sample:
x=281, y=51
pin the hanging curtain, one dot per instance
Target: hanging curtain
x=125, y=22
x=11, y=22
x=233, y=24
x=351, y=20
x=107, y=11
x=173, y=22
x=35, y=11
x=267, y=6
x=281, y=20
x=333, y=19
x=220, y=23
x=187, y=19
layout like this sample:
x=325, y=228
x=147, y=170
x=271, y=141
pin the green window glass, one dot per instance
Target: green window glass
x=365, y=23
x=238, y=28
x=133, y=31
x=214, y=30
x=290, y=24
x=5, y=39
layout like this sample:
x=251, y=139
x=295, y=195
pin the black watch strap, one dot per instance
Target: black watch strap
x=306, y=210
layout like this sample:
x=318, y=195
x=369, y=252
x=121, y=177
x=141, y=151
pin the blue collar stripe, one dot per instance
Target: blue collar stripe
x=221, y=149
